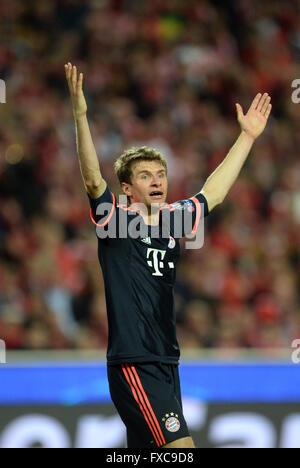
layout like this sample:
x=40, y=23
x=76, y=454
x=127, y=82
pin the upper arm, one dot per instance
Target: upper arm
x=95, y=191
x=212, y=201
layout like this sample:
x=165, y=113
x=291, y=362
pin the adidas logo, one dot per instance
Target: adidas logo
x=147, y=240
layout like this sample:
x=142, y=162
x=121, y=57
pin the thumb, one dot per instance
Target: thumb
x=239, y=110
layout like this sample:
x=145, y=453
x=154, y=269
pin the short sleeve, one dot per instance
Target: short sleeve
x=203, y=202
x=102, y=208
x=187, y=214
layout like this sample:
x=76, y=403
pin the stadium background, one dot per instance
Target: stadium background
x=165, y=73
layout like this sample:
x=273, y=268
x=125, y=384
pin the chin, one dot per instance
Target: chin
x=156, y=205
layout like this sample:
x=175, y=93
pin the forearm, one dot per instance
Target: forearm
x=88, y=159
x=222, y=179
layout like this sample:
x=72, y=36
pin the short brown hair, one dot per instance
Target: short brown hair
x=123, y=165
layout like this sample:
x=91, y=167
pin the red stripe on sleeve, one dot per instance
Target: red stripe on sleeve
x=109, y=217
x=198, y=214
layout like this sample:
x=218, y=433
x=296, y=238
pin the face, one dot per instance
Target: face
x=149, y=184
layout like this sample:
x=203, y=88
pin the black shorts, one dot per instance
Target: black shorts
x=148, y=399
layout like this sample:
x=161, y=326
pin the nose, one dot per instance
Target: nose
x=156, y=181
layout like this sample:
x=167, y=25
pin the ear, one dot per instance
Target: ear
x=126, y=188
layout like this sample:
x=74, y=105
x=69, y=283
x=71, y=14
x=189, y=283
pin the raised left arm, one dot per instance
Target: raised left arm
x=252, y=125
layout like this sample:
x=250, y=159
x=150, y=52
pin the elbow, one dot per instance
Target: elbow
x=93, y=182
x=218, y=197
x=215, y=203
x=213, y=200
x=221, y=199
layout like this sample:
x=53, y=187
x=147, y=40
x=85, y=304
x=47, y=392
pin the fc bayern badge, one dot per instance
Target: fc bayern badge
x=172, y=424
x=189, y=205
x=172, y=243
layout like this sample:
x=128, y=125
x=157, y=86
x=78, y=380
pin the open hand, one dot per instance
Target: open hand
x=255, y=121
x=75, y=87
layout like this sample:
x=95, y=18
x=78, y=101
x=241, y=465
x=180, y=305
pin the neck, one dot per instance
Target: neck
x=150, y=214
x=151, y=220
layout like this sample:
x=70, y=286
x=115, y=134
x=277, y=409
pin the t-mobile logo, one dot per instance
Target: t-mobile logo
x=157, y=261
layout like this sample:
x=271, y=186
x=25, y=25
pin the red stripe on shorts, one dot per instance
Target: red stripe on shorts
x=142, y=404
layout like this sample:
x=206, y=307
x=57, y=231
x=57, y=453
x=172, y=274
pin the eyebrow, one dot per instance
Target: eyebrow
x=149, y=172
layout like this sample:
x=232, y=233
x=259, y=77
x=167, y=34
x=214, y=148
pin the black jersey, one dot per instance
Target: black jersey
x=139, y=274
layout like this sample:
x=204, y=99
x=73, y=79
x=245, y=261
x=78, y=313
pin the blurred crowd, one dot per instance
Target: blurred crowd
x=167, y=74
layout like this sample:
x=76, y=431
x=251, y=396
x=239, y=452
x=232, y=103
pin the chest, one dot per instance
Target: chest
x=158, y=257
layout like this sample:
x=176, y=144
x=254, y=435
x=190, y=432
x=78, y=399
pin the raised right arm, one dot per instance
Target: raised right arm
x=88, y=160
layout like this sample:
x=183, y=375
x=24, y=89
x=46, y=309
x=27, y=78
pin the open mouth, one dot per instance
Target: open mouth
x=156, y=195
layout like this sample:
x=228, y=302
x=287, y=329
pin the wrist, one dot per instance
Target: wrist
x=249, y=138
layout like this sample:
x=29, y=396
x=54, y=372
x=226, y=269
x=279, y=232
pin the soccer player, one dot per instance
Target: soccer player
x=139, y=273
